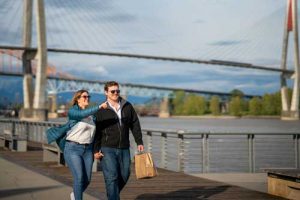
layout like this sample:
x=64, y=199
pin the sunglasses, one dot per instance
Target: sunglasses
x=115, y=91
x=85, y=97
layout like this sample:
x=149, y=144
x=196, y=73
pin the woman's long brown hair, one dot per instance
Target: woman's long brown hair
x=77, y=96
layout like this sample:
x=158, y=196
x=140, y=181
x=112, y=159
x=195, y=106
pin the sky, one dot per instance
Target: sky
x=249, y=31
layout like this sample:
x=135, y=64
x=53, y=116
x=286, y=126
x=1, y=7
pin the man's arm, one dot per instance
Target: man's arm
x=97, y=138
x=136, y=130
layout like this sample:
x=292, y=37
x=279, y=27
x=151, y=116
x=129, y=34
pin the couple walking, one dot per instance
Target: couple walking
x=101, y=132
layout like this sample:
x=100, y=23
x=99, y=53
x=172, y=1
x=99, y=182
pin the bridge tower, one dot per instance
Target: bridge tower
x=164, y=111
x=290, y=109
x=34, y=103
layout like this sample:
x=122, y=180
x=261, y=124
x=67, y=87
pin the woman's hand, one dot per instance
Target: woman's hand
x=98, y=155
x=103, y=105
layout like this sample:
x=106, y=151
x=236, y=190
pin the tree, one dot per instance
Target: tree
x=255, y=106
x=214, y=105
x=201, y=105
x=178, y=102
x=277, y=103
x=194, y=105
x=235, y=106
x=268, y=104
x=237, y=93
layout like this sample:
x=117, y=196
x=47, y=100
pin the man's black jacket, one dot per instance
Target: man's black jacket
x=109, y=131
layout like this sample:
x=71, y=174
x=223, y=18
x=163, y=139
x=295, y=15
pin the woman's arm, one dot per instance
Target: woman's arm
x=78, y=114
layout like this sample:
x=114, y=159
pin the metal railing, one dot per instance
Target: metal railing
x=198, y=152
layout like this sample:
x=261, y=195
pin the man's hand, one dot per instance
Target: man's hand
x=140, y=147
x=98, y=155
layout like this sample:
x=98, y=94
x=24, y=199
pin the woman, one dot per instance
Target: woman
x=78, y=151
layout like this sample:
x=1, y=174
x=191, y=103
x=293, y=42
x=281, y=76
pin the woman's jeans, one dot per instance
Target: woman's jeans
x=116, y=170
x=79, y=158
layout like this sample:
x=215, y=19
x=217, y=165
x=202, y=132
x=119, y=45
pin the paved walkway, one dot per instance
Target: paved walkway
x=252, y=181
x=17, y=183
x=24, y=175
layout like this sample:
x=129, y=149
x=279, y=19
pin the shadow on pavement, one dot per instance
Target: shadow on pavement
x=12, y=192
x=189, y=193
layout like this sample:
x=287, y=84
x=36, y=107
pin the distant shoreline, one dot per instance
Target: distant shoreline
x=224, y=117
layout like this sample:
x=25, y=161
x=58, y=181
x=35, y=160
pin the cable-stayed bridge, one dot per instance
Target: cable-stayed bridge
x=63, y=82
x=105, y=28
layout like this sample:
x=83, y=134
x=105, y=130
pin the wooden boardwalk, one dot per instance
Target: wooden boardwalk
x=168, y=185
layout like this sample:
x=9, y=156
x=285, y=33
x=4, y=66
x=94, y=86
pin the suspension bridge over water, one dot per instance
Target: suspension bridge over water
x=86, y=34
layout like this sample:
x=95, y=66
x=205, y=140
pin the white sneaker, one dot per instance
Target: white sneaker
x=72, y=197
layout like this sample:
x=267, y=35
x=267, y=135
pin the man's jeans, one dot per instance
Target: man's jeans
x=116, y=170
x=79, y=159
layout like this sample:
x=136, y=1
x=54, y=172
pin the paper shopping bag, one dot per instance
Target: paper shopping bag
x=144, y=166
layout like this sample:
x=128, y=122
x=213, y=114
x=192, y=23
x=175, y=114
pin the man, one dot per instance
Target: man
x=112, y=139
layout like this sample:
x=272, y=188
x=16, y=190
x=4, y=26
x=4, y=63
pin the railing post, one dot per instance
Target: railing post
x=41, y=134
x=163, y=150
x=180, y=152
x=27, y=130
x=205, y=154
x=13, y=128
x=35, y=137
x=251, y=153
x=149, y=141
x=297, y=150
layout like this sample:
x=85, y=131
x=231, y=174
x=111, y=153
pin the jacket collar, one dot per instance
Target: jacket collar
x=121, y=101
x=76, y=107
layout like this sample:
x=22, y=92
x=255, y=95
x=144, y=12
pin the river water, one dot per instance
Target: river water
x=222, y=153
x=222, y=125
x=230, y=125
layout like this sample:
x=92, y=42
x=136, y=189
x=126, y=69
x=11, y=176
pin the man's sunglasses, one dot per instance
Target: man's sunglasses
x=85, y=97
x=115, y=91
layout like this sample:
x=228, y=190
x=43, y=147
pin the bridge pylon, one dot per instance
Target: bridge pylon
x=290, y=108
x=52, y=105
x=164, y=111
x=34, y=102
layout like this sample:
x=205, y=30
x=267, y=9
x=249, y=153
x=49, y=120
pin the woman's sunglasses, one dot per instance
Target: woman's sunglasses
x=85, y=97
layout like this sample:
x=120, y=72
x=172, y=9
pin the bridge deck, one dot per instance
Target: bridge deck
x=168, y=185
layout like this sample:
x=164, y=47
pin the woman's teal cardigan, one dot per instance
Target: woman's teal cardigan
x=75, y=115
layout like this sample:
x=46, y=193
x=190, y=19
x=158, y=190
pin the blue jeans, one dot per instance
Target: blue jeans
x=116, y=170
x=79, y=159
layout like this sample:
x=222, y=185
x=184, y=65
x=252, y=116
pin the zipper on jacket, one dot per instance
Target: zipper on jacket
x=106, y=136
x=120, y=135
x=119, y=124
x=118, y=128
x=121, y=107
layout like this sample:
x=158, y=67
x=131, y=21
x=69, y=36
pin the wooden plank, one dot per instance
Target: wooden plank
x=284, y=188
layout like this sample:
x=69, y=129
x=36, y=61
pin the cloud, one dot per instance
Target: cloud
x=78, y=5
x=227, y=43
x=99, y=70
x=199, y=29
x=119, y=18
x=199, y=21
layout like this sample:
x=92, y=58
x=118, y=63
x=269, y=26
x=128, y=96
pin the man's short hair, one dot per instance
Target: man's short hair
x=109, y=84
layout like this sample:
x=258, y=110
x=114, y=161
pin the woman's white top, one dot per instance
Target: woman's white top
x=82, y=132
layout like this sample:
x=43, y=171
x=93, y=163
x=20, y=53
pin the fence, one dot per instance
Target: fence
x=193, y=152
